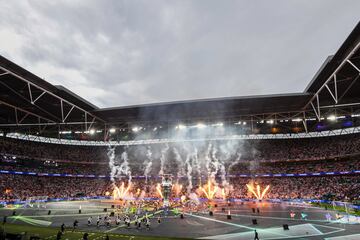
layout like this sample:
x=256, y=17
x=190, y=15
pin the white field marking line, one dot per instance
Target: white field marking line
x=317, y=230
x=331, y=232
x=319, y=233
x=229, y=223
x=344, y=237
x=326, y=226
x=280, y=218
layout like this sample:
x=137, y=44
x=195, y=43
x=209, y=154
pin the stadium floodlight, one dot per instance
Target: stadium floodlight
x=112, y=130
x=270, y=121
x=155, y=128
x=180, y=126
x=331, y=118
x=65, y=132
x=92, y=131
x=296, y=120
x=201, y=125
x=220, y=124
x=136, y=129
x=244, y=123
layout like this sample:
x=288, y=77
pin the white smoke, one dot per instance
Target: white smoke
x=180, y=163
x=163, y=158
x=148, y=163
x=118, y=167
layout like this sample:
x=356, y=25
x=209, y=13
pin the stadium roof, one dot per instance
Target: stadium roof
x=216, y=108
x=26, y=99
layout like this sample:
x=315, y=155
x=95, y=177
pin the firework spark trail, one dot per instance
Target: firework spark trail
x=124, y=168
x=148, y=163
x=163, y=158
x=111, y=156
x=121, y=193
x=196, y=163
x=189, y=172
x=158, y=189
x=258, y=193
x=208, y=190
x=177, y=188
x=211, y=162
x=118, y=168
x=180, y=163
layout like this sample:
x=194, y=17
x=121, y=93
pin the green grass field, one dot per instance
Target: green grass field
x=49, y=233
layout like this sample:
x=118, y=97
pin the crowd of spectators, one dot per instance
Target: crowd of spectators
x=47, y=151
x=249, y=167
x=307, y=155
x=260, y=150
x=298, y=167
x=344, y=188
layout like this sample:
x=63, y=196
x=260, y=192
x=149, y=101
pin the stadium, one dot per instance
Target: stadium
x=280, y=166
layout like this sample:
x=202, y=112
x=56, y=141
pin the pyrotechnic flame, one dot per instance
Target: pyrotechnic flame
x=208, y=190
x=223, y=193
x=120, y=193
x=158, y=189
x=258, y=194
x=177, y=188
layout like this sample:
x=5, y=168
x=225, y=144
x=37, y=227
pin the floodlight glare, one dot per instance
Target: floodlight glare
x=331, y=118
x=201, y=125
x=136, y=129
x=180, y=126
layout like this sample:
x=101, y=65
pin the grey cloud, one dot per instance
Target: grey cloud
x=155, y=51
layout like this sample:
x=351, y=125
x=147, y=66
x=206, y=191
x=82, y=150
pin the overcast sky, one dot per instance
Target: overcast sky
x=116, y=53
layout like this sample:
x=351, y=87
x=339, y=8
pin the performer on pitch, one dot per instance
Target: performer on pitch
x=89, y=221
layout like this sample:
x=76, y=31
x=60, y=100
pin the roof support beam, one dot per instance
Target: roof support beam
x=333, y=76
x=317, y=109
x=38, y=97
x=5, y=73
x=48, y=92
x=25, y=111
x=30, y=93
x=27, y=100
x=68, y=114
x=352, y=64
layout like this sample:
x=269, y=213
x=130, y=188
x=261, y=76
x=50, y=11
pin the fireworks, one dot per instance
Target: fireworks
x=158, y=189
x=122, y=192
x=258, y=193
x=208, y=190
x=177, y=188
x=223, y=193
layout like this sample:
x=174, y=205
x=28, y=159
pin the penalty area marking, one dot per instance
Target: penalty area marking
x=228, y=223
